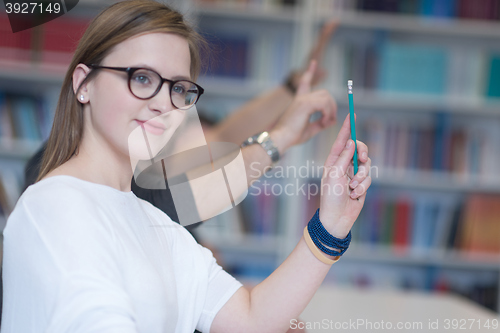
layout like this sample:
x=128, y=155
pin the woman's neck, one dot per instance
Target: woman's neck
x=98, y=163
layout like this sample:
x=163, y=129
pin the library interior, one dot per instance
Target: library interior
x=426, y=82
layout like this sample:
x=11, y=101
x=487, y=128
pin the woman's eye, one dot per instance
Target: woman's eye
x=178, y=89
x=143, y=79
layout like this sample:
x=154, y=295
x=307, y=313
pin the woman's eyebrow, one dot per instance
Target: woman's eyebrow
x=175, y=78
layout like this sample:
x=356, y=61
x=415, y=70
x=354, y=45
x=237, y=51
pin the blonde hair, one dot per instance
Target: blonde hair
x=112, y=26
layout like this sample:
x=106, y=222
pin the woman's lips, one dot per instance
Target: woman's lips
x=153, y=127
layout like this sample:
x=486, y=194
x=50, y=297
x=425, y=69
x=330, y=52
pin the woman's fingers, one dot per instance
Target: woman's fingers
x=363, y=173
x=364, y=165
x=362, y=151
x=345, y=158
x=306, y=78
x=361, y=189
x=340, y=142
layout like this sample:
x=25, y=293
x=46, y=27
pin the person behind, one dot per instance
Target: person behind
x=82, y=253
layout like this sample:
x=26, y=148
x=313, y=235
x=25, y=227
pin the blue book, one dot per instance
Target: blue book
x=438, y=8
x=441, y=146
x=424, y=224
x=493, y=89
x=413, y=149
x=229, y=56
x=413, y=68
x=25, y=110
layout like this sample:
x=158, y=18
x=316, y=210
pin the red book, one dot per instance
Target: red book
x=14, y=46
x=60, y=39
x=402, y=223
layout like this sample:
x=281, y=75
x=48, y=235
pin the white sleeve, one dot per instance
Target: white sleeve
x=221, y=287
x=60, y=270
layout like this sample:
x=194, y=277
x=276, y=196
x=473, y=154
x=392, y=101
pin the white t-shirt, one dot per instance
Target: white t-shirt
x=85, y=257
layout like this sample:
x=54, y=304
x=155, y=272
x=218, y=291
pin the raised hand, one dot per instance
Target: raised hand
x=316, y=54
x=294, y=127
x=340, y=189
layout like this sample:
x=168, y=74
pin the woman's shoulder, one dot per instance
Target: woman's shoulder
x=57, y=188
x=62, y=194
x=60, y=203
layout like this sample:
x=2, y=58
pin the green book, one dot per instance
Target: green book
x=493, y=88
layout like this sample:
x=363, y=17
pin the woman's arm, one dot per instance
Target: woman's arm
x=262, y=112
x=271, y=305
x=256, y=115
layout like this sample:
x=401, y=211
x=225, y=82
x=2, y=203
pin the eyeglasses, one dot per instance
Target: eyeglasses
x=145, y=83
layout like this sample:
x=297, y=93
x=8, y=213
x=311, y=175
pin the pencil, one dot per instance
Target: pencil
x=353, y=126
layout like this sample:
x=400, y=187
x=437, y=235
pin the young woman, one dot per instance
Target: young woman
x=83, y=254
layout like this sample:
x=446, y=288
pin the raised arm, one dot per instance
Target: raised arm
x=262, y=112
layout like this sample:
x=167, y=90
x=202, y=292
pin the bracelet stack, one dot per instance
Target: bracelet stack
x=317, y=238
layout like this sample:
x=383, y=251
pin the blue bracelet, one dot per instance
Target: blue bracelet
x=321, y=237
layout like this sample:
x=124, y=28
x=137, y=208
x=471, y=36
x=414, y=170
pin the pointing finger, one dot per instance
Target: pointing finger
x=306, y=79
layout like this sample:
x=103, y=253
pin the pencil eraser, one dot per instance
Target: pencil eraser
x=349, y=83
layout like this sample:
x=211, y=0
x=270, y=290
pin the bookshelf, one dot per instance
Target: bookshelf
x=408, y=107
x=276, y=38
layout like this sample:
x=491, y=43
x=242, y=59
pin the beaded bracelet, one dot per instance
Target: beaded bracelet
x=321, y=237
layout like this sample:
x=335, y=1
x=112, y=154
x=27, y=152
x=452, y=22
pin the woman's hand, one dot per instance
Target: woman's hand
x=339, y=207
x=294, y=127
x=317, y=53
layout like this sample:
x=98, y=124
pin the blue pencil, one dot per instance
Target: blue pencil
x=353, y=126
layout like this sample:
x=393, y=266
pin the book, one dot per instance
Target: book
x=426, y=65
x=402, y=222
x=493, y=83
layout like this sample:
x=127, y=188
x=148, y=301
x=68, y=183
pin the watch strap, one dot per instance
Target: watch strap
x=265, y=141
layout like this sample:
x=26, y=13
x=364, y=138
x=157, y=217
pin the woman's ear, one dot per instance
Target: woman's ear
x=79, y=74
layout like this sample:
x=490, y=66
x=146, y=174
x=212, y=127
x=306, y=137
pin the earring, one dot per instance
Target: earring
x=81, y=98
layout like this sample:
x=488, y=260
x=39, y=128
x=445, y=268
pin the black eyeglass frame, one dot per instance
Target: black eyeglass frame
x=130, y=71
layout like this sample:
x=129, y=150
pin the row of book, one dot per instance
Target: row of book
x=412, y=222
x=442, y=144
x=53, y=42
x=422, y=223
x=462, y=9
x=250, y=3
x=415, y=68
x=447, y=9
x=250, y=55
x=427, y=145
x=24, y=117
x=382, y=65
x=451, y=9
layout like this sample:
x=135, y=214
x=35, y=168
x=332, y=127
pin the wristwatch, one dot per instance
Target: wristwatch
x=265, y=141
